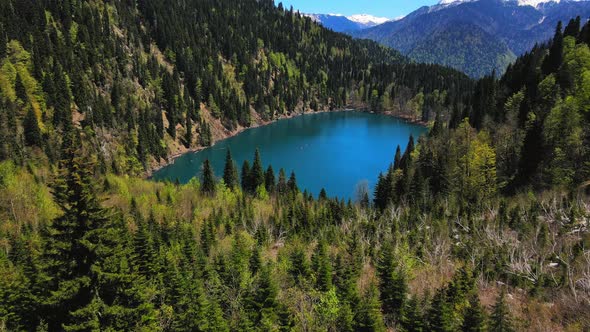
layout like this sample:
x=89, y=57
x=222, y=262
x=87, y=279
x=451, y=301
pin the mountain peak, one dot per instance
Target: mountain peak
x=533, y=3
x=367, y=19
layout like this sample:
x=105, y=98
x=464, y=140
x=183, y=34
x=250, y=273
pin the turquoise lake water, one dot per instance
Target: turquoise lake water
x=335, y=150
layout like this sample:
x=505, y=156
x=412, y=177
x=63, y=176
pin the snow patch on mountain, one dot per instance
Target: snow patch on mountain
x=367, y=19
x=533, y=3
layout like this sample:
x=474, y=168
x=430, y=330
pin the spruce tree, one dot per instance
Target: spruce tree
x=246, y=184
x=31, y=129
x=440, y=315
x=368, y=315
x=475, y=319
x=188, y=136
x=208, y=179
x=3, y=42
x=282, y=182
x=554, y=59
x=323, y=268
x=392, y=285
x=292, y=184
x=19, y=88
x=500, y=320
x=230, y=171
x=413, y=320
x=83, y=289
x=398, y=158
x=257, y=173
x=269, y=180
x=263, y=303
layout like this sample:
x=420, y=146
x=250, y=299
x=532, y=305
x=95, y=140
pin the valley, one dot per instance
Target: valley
x=472, y=215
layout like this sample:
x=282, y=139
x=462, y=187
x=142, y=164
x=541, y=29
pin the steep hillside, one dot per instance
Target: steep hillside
x=150, y=79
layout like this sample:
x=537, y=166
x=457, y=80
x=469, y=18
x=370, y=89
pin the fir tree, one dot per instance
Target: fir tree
x=82, y=287
x=31, y=129
x=398, y=158
x=292, y=184
x=230, y=171
x=208, y=179
x=500, y=320
x=257, y=173
x=19, y=88
x=392, y=285
x=269, y=180
x=323, y=268
x=246, y=184
x=282, y=182
x=475, y=319
x=188, y=136
x=368, y=317
x=555, y=57
x=3, y=42
x=413, y=319
x=440, y=315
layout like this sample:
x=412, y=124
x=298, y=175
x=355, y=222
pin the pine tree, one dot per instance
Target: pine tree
x=282, y=182
x=269, y=180
x=368, y=317
x=440, y=315
x=188, y=136
x=398, y=158
x=208, y=179
x=323, y=268
x=230, y=172
x=19, y=88
x=3, y=42
x=263, y=303
x=555, y=57
x=31, y=129
x=500, y=320
x=246, y=184
x=392, y=285
x=82, y=286
x=62, y=98
x=292, y=184
x=299, y=268
x=413, y=320
x=573, y=27
x=475, y=319
x=257, y=173
x=323, y=196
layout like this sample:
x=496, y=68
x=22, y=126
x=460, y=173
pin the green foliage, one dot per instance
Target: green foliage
x=500, y=320
x=208, y=179
x=230, y=172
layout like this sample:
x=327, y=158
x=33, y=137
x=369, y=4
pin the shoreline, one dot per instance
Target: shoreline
x=171, y=158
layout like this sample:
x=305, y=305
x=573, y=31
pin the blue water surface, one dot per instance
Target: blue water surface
x=335, y=150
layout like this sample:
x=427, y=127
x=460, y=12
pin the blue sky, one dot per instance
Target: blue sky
x=385, y=8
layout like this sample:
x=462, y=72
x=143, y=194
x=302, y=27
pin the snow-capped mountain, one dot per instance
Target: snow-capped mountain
x=532, y=3
x=476, y=36
x=341, y=23
x=368, y=20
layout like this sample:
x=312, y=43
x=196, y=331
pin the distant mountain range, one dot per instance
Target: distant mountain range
x=341, y=23
x=477, y=36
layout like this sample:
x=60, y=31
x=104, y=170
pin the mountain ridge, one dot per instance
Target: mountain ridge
x=517, y=26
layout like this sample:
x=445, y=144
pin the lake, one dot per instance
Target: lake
x=335, y=150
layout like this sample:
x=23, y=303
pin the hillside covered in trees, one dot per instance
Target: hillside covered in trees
x=480, y=226
x=149, y=79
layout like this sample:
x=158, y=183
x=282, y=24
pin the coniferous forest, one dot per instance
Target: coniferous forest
x=481, y=225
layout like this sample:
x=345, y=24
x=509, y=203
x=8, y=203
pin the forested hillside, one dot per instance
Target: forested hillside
x=477, y=37
x=480, y=226
x=149, y=79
